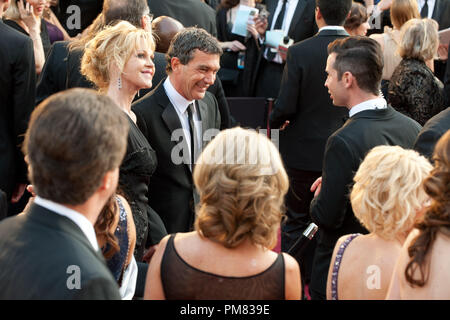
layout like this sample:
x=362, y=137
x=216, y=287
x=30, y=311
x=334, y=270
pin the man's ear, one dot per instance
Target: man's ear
x=175, y=63
x=348, y=79
x=318, y=14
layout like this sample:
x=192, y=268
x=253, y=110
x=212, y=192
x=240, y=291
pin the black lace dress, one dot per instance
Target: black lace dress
x=136, y=169
x=415, y=91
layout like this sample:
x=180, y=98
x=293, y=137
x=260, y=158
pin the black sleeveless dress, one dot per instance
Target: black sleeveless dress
x=181, y=281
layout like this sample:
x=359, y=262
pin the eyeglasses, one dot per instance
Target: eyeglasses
x=149, y=16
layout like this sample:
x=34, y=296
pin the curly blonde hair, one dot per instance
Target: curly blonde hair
x=113, y=45
x=388, y=190
x=242, y=183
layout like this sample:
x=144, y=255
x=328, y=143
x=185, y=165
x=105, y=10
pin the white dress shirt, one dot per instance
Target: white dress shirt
x=373, y=104
x=181, y=105
x=291, y=5
x=431, y=4
x=80, y=220
x=332, y=28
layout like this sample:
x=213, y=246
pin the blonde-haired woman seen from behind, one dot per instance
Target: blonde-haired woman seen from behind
x=387, y=198
x=421, y=271
x=414, y=90
x=400, y=12
x=118, y=60
x=241, y=182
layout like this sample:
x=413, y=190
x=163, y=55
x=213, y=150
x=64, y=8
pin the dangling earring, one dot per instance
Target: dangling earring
x=139, y=91
x=119, y=83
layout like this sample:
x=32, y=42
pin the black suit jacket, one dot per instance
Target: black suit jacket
x=189, y=12
x=345, y=149
x=441, y=13
x=17, y=91
x=53, y=76
x=431, y=132
x=37, y=250
x=305, y=102
x=171, y=189
x=303, y=26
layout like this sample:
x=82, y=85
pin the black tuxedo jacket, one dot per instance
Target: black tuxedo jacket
x=432, y=131
x=303, y=26
x=441, y=13
x=190, y=13
x=54, y=73
x=171, y=189
x=17, y=91
x=40, y=252
x=305, y=102
x=345, y=149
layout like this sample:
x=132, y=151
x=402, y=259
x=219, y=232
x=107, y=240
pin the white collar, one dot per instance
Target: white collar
x=378, y=103
x=80, y=220
x=175, y=97
x=331, y=28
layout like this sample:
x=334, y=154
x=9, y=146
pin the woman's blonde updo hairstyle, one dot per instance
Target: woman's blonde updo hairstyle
x=419, y=39
x=112, y=46
x=242, y=183
x=388, y=190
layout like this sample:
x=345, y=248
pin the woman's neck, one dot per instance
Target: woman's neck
x=123, y=97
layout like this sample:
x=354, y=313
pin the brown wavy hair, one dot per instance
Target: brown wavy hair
x=103, y=226
x=437, y=217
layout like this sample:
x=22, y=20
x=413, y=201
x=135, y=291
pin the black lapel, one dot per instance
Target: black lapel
x=297, y=14
x=170, y=118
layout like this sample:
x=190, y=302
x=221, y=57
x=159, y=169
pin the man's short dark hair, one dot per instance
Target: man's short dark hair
x=74, y=138
x=362, y=57
x=187, y=41
x=334, y=12
x=131, y=11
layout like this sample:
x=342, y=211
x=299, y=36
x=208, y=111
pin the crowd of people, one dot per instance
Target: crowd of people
x=124, y=174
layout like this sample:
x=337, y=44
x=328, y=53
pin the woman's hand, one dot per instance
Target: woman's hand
x=28, y=17
x=233, y=46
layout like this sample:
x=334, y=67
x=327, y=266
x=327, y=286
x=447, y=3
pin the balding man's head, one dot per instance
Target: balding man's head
x=165, y=29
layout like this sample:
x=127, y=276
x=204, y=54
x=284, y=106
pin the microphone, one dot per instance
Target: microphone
x=302, y=242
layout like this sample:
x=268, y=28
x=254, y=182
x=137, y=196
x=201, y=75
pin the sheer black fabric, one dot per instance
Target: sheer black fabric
x=183, y=282
x=136, y=169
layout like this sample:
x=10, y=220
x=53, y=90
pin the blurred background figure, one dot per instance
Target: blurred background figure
x=228, y=255
x=413, y=89
x=17, y=91
x=26, y=16
x=420, y=272
x=189, y=12
x=165, y=28
x=56, y=31
x=401, y=11
x=357, y=23
x=387, y=198
x=238, y=61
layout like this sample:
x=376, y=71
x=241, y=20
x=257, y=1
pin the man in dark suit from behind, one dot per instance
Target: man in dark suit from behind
x=305, y=103
x=74, y=145
x=191, y=13
x=354, y=69
x=17, y=90
x=296, y=19
x=431, y=132
x=178, y=114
